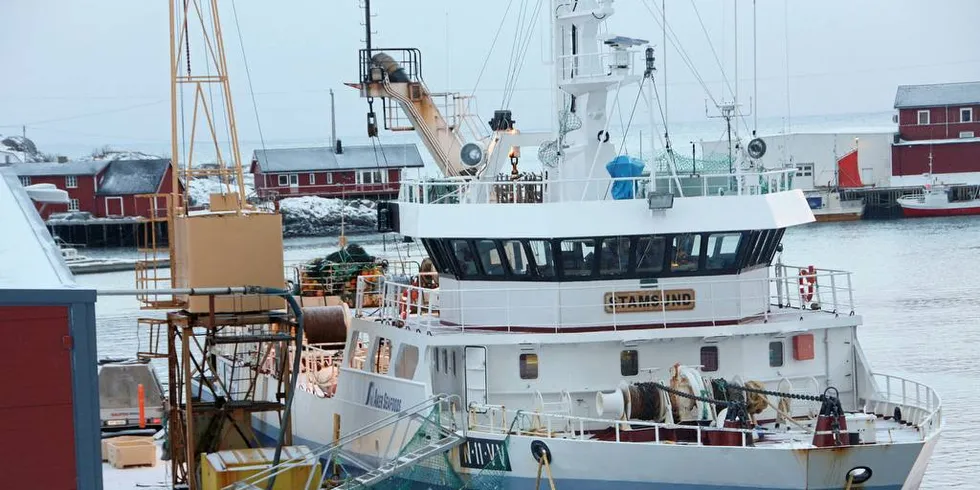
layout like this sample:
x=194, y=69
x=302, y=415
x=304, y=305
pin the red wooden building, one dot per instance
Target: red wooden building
x=49, y=411
x=941, y=121
x=104, y=189
x=365, y=171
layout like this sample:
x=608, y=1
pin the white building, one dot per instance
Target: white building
x=815, y=156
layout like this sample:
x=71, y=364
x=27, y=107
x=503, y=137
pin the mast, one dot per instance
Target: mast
x=333, y=123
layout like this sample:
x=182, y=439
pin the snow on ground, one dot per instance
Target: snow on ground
x=200, y=190
x=317, y=216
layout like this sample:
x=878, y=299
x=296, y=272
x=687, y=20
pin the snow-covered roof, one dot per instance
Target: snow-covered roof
x=939, y=94
x=29, y=258
x=353, y=157
x=126, y=177
x=75, y=167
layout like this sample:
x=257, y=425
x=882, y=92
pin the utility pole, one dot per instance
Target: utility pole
x=333, y=123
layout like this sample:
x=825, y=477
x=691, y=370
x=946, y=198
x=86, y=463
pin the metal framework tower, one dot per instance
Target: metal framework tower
x=216, y=344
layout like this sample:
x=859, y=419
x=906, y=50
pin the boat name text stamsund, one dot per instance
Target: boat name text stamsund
x=637, y=301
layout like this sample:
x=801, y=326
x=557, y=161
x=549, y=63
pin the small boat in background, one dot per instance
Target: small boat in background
x=935, y=201
x=828, y=206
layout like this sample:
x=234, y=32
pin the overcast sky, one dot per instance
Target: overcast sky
x=83, y=74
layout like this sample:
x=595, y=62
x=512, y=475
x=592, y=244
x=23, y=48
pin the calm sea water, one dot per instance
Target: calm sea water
x=916, y=287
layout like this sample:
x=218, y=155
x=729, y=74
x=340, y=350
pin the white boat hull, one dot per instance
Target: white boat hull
x=589, y=464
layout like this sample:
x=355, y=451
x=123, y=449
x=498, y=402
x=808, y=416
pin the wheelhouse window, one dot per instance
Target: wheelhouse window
x=493, y=265
x=465, y=258
x=775, y=354
x=629, y=363
x=529, y=366
x=516, y=257
x=722, y=251
x=577, y=257
x=966, y=115
x=923, y=117
x=709, y=358
x=544, y=265
x=650, y=254
x=614, y=256
x=686, y=253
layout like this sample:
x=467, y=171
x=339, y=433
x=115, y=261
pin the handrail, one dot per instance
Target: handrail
x=491, y=411
x=717, y=300
x=919, y=401
x=748, y=183
x=327, y=449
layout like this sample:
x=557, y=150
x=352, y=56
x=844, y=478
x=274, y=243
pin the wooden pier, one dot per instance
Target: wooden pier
x=122, y=232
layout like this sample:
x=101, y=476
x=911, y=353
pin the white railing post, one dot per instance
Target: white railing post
x=833, y=289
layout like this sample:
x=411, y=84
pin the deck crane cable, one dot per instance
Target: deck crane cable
x=721, y=68
x=207, y=67
x=514, y=49
x=522, y=43
x=674, y=41
x=490, y=51
x=248, y=76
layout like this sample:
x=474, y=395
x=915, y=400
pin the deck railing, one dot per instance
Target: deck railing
x=485, y=418
x=918, y=403
x=546, y=306
x=465, y=190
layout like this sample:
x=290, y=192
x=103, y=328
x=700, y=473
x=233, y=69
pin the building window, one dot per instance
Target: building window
x=529, y=366
x=288, y=180
x=408, y=360
x=966, y=115
x=775, y=354
x=312, y=178
x=629, y=363
x=73, y=205
x=330, y=178
x=25, y=181
x=709, y=358
x=804, y=170
x=967, y=134
x=923, y=117
x=687, y=252
x=370, y=177
x=71, y=182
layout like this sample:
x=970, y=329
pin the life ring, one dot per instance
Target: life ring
x=807, y=281
x=603, y=136
x=410, y=295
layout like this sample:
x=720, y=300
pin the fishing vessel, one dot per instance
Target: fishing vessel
x=827, y=203
x=602, y=327
x=935, y=200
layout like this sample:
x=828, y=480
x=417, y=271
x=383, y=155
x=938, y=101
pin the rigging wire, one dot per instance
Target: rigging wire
x=525, y=42
x=674, y=41
x=490, y=51
x=248, y=76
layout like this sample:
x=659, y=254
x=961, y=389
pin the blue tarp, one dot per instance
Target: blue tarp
x=624, y=167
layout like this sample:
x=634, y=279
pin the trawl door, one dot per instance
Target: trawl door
x=475, y=359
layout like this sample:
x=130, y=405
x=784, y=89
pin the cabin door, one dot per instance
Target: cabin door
x=475, y=360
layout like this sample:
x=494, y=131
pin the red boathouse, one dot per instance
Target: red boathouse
x=941, y=122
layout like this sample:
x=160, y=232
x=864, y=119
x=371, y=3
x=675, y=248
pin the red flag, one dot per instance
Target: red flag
x=848, y=174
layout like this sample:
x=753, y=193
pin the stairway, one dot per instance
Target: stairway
x=403, y=462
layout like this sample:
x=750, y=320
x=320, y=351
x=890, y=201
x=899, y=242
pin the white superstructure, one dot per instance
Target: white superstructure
x=630, y=332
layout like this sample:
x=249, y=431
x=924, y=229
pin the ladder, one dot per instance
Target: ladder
x=448, y=439
x=404, y=462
